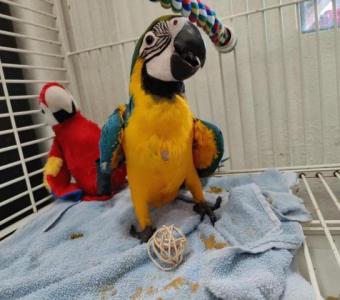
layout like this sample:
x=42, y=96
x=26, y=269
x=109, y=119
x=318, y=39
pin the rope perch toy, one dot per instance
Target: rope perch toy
x=166, y=247
x=205, y=17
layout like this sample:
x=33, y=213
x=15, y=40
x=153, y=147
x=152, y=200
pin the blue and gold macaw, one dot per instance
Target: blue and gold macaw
x=156, y=135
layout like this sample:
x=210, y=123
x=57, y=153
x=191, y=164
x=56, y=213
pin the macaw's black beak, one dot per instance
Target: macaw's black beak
x=63, y=115
x=189, y=53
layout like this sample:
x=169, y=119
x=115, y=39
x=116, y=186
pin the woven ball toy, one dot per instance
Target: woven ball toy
x=166, y=247
x=201, y=14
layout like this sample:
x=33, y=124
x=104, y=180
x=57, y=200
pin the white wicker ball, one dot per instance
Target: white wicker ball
x=166, y=247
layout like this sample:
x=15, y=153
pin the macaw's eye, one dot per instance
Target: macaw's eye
x=175, y=22
x=149, y=39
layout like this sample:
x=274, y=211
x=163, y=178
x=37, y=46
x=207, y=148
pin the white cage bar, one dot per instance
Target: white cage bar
x=26, y=32
x=28, y=8
x=17, y=140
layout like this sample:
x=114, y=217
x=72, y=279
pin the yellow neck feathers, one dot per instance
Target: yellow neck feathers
x=162, y=116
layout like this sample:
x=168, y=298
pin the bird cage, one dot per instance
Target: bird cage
x=276, y=98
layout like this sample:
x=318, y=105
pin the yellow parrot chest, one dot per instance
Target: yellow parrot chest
x=157, y=144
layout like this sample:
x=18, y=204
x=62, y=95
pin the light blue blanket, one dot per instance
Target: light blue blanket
x=247, y=255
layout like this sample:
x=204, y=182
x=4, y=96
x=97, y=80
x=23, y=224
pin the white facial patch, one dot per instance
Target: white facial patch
x=176, y=24
x=57, y=99
x=48, y=115
x=159, y=66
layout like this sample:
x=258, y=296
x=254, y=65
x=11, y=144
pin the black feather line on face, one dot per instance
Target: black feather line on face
x=164, y=27
x=162, y=33
x=159, y=45
x=160, y=88
x=161, y=28
x=157, y=51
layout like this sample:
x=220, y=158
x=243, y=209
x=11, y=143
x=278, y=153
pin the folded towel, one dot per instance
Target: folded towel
x=90, y=255
x=263, y=248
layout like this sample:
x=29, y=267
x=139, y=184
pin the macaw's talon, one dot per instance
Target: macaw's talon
x=144, y=235
x=204, y=208
x=217, y=204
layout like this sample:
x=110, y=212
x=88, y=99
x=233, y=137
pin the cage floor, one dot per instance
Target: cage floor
x=319, y=260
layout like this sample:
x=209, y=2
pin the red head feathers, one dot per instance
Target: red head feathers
x=42, y=94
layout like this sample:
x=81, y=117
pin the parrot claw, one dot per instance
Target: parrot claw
x=205, y=209
x=144, y=235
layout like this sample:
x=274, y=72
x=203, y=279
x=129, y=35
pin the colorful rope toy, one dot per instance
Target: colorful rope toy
x=205, y=17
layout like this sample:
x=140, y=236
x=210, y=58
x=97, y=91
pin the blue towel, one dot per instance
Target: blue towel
x=247, y=255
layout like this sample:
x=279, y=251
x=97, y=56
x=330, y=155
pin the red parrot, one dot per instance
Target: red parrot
x=75, y=149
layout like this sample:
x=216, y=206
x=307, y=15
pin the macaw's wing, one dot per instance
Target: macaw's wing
x=111, y=152
x=208, y=147
x=110, y=149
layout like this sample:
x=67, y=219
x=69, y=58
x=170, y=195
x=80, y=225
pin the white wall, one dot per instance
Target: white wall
x=282, y=99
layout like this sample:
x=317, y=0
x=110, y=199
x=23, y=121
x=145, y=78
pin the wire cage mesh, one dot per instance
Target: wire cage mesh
x=276, y=97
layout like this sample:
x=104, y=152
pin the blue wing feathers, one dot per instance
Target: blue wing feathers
x=110, y=139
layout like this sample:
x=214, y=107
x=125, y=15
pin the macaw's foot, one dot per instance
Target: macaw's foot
x=204, y=208
x=143, y=235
